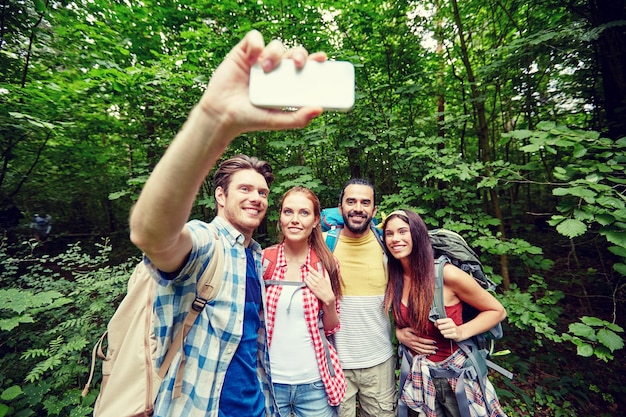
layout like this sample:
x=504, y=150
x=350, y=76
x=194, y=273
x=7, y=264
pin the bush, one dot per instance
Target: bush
x=50, y=317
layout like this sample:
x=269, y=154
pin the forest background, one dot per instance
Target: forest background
x=503, y=120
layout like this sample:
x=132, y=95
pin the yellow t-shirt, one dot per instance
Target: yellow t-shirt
x=364, y=337
x=362, y=265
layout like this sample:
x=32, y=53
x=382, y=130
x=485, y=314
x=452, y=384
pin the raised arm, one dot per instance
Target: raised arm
x=157, y=220
x=458, y=283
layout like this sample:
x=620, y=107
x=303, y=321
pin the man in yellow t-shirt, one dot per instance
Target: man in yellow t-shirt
x=364, y=339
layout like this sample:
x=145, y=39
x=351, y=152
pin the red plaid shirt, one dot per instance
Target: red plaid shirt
x=335, y=385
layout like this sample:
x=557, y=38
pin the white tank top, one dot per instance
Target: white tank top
x=292, y=355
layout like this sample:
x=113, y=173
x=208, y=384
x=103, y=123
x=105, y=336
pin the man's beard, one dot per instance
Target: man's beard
x=356, y=230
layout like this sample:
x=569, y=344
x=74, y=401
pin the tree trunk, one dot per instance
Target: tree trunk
x=480, y=121
x=609, y=17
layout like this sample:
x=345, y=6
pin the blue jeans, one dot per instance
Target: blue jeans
x=306, y=400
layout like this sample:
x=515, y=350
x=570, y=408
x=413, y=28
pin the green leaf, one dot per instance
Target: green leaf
x=620, y=268
x=594, y=178
x=578, y=191
x=12, y=322
x=19, y=300
x=11, y=393
x=605, y=219
x=585, y=350
x=521, y=134
x=593, y=321
x=610, y=339
x=571, y=228
x=582, y=330
x=579, y=151
x=615, y=327
x=618, y=250
x=618, y=238
x=583, y=215
x=533, y=147
x=611, y=202
x=118, y=194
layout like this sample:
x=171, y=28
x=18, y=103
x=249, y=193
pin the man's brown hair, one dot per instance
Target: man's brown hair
x=237, y=163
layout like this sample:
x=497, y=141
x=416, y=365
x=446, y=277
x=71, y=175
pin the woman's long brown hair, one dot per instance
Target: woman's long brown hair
x=316, y=239
x=421, y=273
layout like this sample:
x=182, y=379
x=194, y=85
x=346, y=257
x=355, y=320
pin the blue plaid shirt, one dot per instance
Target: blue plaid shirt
x=212, y=342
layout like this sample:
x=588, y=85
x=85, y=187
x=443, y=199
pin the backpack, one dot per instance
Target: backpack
x=331, y=221
x=450, y=247
x=130, y=380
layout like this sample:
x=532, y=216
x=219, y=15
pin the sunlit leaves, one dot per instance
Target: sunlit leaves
x=594, y=336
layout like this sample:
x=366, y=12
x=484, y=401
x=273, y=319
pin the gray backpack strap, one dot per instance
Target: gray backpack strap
x=459, y=392
x=477, y=366
x=406, y=360
x=298, y=284
x=269, y=282
x=438, y=308
x=325, y=342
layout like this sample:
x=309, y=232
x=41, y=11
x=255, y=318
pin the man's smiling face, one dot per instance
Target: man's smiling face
x=357, y=208
x=245, y=203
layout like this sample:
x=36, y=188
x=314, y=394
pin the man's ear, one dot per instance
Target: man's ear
x=375, y=210
x=340, y=209
x=220, y=197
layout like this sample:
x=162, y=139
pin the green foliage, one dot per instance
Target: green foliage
x=81, y=128
x=535, y=309
x=22, y=305
x=50, y=320
x=591, y=186
x=595, y=337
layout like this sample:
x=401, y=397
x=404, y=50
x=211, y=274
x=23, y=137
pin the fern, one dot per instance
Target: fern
x=42, y=367
x=35, y=353
x=73, y=303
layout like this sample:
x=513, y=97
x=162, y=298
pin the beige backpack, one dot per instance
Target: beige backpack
x=130, y=380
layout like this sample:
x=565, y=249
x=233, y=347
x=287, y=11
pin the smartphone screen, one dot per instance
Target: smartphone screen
x=328, y=84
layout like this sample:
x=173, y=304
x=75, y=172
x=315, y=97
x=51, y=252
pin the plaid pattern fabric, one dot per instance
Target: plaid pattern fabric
x=419, y=392
x=335, y=385
x=213, y=340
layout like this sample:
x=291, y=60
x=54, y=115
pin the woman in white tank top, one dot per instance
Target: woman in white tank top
x=303, y=289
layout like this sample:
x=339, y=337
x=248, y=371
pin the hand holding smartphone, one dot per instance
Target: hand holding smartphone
x=328, y=84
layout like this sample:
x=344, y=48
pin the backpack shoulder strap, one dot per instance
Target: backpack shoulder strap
x=209, y=283
x=377, y=235
x=438, y=308
x=332, y=236
x=316, y=262
x=269, y=261
x=207, y=287
x=270, y=255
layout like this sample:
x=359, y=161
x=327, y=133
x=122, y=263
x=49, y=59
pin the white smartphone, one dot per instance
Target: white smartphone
x=328, y=84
